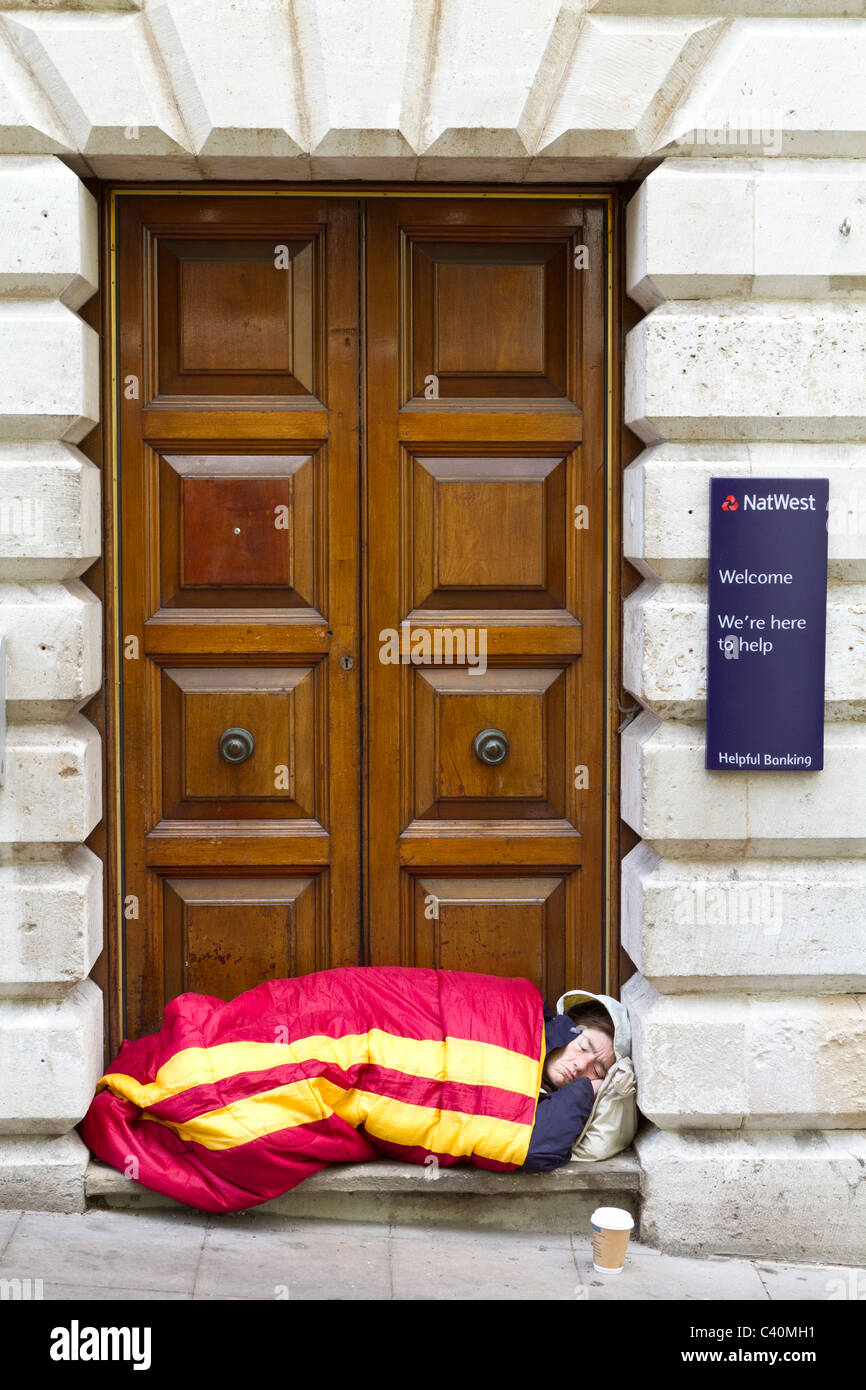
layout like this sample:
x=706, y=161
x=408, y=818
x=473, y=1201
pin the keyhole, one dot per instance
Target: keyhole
x=347, y=662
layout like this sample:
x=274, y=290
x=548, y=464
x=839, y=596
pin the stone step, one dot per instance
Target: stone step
x=407, y=1194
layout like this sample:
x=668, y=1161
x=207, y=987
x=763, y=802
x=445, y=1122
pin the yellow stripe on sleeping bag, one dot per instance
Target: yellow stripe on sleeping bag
x=451, y=1059
x=302, y=1102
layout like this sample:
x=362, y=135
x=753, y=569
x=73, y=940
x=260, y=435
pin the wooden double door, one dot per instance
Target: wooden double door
x=361, y=599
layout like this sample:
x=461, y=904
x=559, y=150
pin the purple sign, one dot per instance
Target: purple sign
x=767, y=624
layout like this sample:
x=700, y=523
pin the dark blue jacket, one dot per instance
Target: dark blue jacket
x=561, y=1114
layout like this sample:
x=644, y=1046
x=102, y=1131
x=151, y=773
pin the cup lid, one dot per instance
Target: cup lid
x=612, y=1219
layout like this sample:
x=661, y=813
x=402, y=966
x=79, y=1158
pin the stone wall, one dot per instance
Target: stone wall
x=743, y=907
x=50, y=884
x=746, y=125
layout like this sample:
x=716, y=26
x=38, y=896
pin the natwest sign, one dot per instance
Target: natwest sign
x=767, y=624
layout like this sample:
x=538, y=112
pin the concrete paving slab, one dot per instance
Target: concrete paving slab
x=98, y=1293
x=102, y=1255
x=302, y=1228
x=254, y=1260
x=221, y=1298
x=459, y=1266
x=487, y=1239
x=831, y=1282
x=8, y=1221
x=155, y=1250
x=649, y=1275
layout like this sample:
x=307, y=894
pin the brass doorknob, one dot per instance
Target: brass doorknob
x=236, y=745
x=491, y=747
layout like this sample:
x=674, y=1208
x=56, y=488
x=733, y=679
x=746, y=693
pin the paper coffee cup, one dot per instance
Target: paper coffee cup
x=611, y=1228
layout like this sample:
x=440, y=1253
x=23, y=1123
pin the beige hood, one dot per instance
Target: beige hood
x=617, y=1011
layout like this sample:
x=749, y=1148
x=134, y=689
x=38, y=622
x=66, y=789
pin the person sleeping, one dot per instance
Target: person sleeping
x=580, y=1053
x=233, y=1103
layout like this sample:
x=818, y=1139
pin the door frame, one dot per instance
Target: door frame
x=101, y=446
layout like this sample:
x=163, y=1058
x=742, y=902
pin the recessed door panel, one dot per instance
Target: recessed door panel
x=487, y=313
x=518, y=925
x=491, y=743
x=487, y=530
x=241, y=742
x=236, y=316
x=225, y=935
x=240, y=530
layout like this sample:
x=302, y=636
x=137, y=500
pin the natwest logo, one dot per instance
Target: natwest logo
x=730, y=503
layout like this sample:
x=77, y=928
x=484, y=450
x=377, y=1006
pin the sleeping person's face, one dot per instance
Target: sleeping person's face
x=589, y=1054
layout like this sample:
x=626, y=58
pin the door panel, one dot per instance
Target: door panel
x=456, y=704
x=516, y=924
x=488, y=316
x=488, y=531
x=237, y=317
x=238, y=358
x=484, y=615
x=219, y=545
x=278, y=778
x=221, y=933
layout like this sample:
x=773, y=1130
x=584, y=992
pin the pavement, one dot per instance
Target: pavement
x=169, y=1255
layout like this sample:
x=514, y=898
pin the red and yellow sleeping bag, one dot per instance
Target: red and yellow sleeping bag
x=230, y=1104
